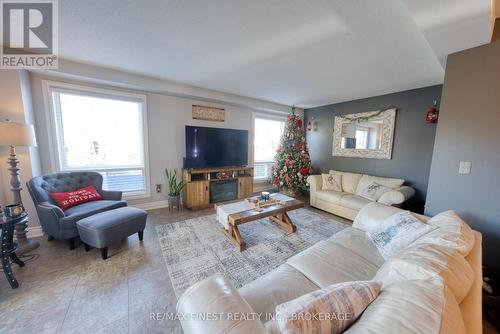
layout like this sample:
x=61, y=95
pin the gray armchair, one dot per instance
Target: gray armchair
x=59, y=224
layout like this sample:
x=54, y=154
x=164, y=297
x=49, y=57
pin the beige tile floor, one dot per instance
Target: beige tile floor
x=63, y=291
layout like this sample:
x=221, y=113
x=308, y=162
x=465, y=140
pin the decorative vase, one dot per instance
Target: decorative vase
x=174, y=202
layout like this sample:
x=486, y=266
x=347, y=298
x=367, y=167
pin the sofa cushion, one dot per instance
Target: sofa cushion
x=329, y=262
x=429, y=261
x=331, y=182
x=372, y=187
x=354, y=202
x=372, y=214
x=417, y=306
x=109, y=227
x=395, y=233
x=357, y=241
x=218, y=296
x=343, y=302
x=330, y=195
x=451, y=232
x=278, y=286
x=349, y=181
x=84, y=210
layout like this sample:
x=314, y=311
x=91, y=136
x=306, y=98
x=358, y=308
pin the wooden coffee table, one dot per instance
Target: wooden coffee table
x=277, y=213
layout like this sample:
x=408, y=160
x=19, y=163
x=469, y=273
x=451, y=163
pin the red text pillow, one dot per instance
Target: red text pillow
x=79, y=196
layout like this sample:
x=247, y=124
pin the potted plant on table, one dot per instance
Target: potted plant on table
x=174, y=188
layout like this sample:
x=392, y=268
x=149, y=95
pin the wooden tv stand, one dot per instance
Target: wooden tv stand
x=196, y=194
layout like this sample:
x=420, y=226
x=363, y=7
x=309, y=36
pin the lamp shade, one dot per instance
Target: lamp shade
x=17, y=134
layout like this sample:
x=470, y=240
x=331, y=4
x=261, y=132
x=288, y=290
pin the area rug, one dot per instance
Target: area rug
x=195, y=249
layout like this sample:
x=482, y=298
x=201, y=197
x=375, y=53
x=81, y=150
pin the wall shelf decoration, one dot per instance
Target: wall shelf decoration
x=209, y=113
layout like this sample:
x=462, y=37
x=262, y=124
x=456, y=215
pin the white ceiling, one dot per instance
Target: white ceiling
x=307, y=53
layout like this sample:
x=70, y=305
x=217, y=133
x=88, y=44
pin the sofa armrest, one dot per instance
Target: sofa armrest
x=50, y=211
x=397, y=196
x=50, y=216
x=315, y=182
x=217, y=298
x=111, y=195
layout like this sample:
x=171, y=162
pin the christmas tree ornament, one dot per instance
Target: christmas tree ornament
x=292, y=164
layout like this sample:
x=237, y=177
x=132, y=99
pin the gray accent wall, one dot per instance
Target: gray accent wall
x=413, y=139
x=469, y=130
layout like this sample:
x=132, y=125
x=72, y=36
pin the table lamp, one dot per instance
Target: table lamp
x=12, y=135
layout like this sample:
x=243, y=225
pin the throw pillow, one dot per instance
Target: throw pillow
x=373, y=191
x=395, y=233
x=373, y=187
x=328, y=310
x=349, y=181
x=332, y=182
x=68, y=199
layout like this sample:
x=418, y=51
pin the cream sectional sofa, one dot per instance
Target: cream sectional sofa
x=348, y=202
x=433, y=286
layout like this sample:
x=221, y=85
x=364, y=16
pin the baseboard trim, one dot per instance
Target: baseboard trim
x=151, y=205
x=35, y=231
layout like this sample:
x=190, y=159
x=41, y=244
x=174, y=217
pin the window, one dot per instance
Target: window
x=103, y=131
x=361, y=137
x=267, y=136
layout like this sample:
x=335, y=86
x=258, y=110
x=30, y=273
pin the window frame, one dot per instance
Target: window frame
x=48, y=87
x=273, y=117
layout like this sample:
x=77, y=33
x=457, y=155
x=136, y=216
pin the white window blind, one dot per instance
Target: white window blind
x=103, y=132
x=268, y=133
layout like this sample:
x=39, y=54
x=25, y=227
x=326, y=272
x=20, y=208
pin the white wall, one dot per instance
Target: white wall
x=100, y=75
x=15, y=104
x=167, y=115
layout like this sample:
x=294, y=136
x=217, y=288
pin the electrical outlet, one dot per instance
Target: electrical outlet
x=464, y=167
x=158, y=188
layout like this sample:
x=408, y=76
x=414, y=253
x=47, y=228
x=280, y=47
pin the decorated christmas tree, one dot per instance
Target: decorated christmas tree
x=292, y=164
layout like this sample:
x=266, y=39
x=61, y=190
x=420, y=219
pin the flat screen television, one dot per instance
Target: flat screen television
x=215, y=147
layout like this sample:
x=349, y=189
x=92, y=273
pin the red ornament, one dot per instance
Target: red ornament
x=432, y=115
x=298, y=146
x=299, y=123
x=304, y=171
x=276, y=181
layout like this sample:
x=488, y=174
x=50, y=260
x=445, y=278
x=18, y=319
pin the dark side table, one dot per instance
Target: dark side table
x=8, y=247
